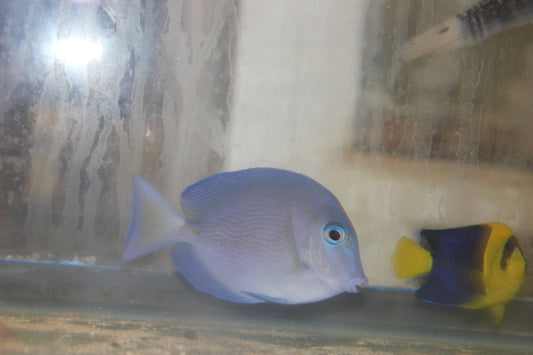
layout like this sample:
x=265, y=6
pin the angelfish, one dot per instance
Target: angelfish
x=475, y=24
x=250, y=236
x=479, y=266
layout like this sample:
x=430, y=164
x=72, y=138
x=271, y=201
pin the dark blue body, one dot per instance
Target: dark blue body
x=457, y=260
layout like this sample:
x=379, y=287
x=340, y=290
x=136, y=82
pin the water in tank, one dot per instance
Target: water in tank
x=399, y=118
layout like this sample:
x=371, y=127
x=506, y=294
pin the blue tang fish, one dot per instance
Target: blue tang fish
x=480, y=266
x=251, y=236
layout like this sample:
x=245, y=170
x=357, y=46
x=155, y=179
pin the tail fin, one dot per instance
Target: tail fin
x=410, y=259
x=154, y=223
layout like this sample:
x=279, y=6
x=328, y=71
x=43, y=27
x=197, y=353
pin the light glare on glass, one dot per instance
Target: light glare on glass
x=77, y=51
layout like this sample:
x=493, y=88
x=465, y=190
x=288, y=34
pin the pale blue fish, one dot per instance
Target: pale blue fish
x=252, y=236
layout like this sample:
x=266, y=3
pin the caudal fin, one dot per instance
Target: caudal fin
x=154, y=223
x=410, y=259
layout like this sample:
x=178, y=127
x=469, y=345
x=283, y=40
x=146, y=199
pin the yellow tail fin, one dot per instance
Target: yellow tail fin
x=410, y=259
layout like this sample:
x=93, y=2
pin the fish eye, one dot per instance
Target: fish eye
x=333, y=233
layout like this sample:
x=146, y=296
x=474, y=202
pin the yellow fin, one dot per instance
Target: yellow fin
x=410, y=259
x=477, y=302
x=496, y=312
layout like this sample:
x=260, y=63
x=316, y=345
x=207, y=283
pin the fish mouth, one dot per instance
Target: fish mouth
x=356, y=284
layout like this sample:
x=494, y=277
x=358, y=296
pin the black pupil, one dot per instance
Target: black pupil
x=335, y=235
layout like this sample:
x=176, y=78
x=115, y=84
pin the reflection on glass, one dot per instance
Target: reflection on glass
x=77, y=51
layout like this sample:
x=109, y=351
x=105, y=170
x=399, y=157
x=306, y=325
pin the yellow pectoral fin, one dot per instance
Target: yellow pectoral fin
x=410, y=259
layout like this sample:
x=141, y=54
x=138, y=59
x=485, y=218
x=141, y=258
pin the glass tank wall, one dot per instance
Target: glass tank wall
x=93, y=92
x=445, y=137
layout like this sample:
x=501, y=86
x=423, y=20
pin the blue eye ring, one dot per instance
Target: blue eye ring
x=333, y=233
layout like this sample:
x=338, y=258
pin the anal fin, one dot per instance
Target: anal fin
x=446, y=284
x=266, y=298
x=185, y=258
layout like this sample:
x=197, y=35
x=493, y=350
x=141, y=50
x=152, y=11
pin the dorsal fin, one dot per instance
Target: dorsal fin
x=205, y=195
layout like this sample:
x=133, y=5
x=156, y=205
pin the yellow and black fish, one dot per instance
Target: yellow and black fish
x=480, y=266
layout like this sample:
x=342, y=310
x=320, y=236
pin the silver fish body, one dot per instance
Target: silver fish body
x=469, y=27
x=252, y=236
